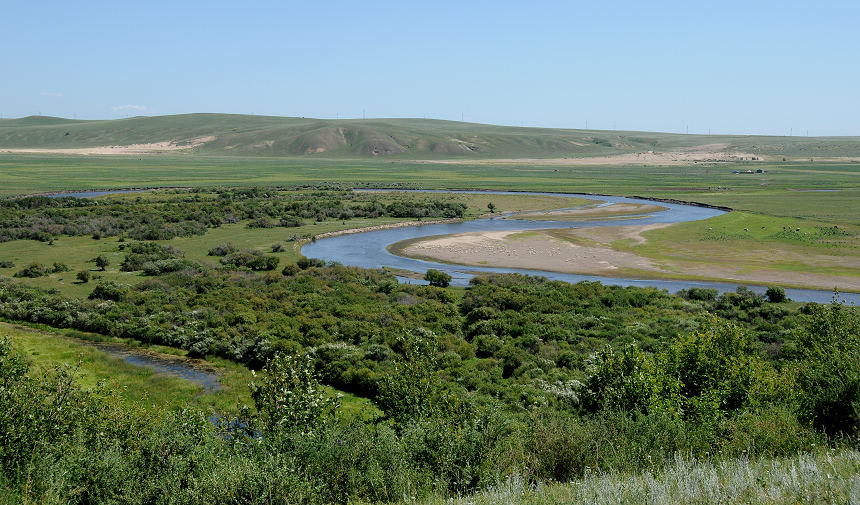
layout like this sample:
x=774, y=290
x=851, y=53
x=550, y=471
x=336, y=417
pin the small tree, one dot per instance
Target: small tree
x=437, y=278
x=83, y=276
x=492, y=207
x=413, y=390
x=101, y=262
x=289, y=397
x=776, y=294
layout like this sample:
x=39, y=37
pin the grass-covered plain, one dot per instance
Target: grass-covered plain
x=78, y=252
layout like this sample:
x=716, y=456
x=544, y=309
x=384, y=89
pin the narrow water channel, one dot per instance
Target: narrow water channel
x=165, y=365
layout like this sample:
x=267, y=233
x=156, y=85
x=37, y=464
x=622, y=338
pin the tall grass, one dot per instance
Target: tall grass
x=824, y=476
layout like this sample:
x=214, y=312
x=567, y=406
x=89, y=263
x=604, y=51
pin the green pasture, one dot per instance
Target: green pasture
x=747, y=242
x=789, y=189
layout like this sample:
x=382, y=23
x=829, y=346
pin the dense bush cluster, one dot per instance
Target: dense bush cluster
x=707, y=393
x=183, y=214
x=250, y=259
x=521, y=340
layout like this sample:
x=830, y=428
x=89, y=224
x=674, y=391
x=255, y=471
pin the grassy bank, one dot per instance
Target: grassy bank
x=825, y=476
x=48, y=349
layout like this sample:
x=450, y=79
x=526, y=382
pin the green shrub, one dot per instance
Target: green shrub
x=289, y=397
x=223, y=250
x=33, y=270
x=59, y=267
x=108, y=290
x=290, y=270
x=250, y=259
x=776, y=294
x=829, y=372
x=437, y=278
x=305, y=263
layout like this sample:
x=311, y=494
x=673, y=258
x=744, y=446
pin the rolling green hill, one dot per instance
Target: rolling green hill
x=218, y=134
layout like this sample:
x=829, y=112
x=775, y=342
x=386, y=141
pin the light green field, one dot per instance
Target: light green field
x=783, y=191
x=791, y=251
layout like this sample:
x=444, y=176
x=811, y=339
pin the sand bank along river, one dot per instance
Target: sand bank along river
x=370, y=250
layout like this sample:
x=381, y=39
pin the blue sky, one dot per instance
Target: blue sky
x=733, y=67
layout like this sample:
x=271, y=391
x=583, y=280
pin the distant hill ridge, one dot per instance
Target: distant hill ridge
x=220, y=134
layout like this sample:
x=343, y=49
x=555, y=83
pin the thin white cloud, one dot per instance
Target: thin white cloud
x=50, y=93
x=124, y=108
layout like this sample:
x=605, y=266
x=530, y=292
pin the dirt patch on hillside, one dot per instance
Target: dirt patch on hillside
x=132, y=149
x=682, y=156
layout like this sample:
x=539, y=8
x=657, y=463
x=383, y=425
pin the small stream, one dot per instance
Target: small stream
x=162, y=364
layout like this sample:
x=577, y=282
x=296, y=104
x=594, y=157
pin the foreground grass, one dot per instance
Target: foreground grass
x=826, y=476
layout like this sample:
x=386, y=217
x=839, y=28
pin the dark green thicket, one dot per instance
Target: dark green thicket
x=514, y=375
x=60, y=443
x=182, y=215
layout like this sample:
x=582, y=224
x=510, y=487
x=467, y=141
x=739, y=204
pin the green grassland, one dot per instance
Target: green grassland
x=788, y=189
x=77, y=252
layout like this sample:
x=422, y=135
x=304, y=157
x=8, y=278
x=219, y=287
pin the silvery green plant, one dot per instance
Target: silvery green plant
x=289, y=397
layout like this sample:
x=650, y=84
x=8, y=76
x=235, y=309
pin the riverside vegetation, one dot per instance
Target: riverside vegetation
x=498, y=389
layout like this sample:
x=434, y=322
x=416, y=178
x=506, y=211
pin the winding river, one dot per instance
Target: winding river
x=369, y=249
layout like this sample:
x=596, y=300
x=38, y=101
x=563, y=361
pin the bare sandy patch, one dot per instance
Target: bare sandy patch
x=612, y=210
x=131, y=149
x=608, y=234
x=536, y=250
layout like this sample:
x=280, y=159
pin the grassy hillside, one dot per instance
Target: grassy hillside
x=403, y=138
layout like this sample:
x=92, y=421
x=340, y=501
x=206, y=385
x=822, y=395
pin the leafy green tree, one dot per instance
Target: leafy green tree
x=628, y=380
x=437, y=278
x=776, y=294
x=101, y=262
x=720, y=371
x=289, y=397
x=413, y=390
x=829, y=373
x=83, y=276
x=492, y=207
